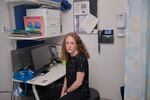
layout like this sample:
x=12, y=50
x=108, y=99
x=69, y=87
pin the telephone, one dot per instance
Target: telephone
x=105, y=36
x=24, y=75
x=99, y=40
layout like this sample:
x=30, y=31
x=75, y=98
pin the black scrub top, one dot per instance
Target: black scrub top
x=78, y=63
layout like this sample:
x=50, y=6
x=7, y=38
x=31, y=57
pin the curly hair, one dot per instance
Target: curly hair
x=81, y=47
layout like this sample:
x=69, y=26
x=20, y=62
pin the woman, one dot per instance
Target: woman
x=76, y=81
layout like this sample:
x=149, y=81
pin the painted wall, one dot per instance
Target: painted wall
x=106, y=68
x=5, y=47
x=110, y=62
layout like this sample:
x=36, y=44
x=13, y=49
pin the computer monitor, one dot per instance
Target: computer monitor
x=25, y=56
x=16, y=61
x=21, y=58
x=54, y=53
x=41, y=58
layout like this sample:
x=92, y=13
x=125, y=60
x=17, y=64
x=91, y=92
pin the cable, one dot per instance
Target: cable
x=5, y=91
x=12, y=91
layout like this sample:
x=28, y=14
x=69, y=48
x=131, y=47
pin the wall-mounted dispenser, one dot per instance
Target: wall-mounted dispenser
x=121, y=20
x=121, y=23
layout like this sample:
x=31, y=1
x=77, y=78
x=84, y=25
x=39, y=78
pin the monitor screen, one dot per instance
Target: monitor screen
x=53, y=51
x=54, y=54
x=21, y=58
x=25, y=56
x=16, y=61
x=41, y=58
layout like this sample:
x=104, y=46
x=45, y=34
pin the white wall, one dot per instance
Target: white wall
x=5, y=46
x=109, y=65
x=106, y=68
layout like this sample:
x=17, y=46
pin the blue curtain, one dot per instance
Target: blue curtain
x=137, y=59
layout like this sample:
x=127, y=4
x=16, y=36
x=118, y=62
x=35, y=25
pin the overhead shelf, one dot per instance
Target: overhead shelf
x=28, y=38
x=50, y=3
x=34, y=37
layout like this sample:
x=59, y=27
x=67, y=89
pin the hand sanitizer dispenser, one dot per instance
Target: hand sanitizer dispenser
x=121, y=23
x=121, y=20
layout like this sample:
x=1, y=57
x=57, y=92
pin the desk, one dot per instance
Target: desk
x=55, y=73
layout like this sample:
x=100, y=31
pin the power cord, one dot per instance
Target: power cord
x=13, y=87
x=5, y=91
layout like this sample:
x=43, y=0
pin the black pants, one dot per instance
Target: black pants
x=75, y=95
x=54, y=94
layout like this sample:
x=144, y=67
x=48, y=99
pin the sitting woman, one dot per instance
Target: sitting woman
x=76, y=81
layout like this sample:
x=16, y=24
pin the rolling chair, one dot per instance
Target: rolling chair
x=94, y=95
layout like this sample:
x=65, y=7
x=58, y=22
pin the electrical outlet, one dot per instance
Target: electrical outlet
x=1, y=29
x=6, y=29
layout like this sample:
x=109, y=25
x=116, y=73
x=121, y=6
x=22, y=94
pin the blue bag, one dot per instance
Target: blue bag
x=65, y=5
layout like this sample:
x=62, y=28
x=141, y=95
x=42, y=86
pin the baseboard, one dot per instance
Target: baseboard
x=102, y=98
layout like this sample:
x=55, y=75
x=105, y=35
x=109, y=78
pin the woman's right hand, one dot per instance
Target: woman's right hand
x=63, y=94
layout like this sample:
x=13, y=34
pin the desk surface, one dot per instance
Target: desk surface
x=55, y=73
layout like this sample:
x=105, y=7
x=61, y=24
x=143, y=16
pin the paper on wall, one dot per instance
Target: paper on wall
x=89, y=23
x=78, y=21
x=81, y=8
